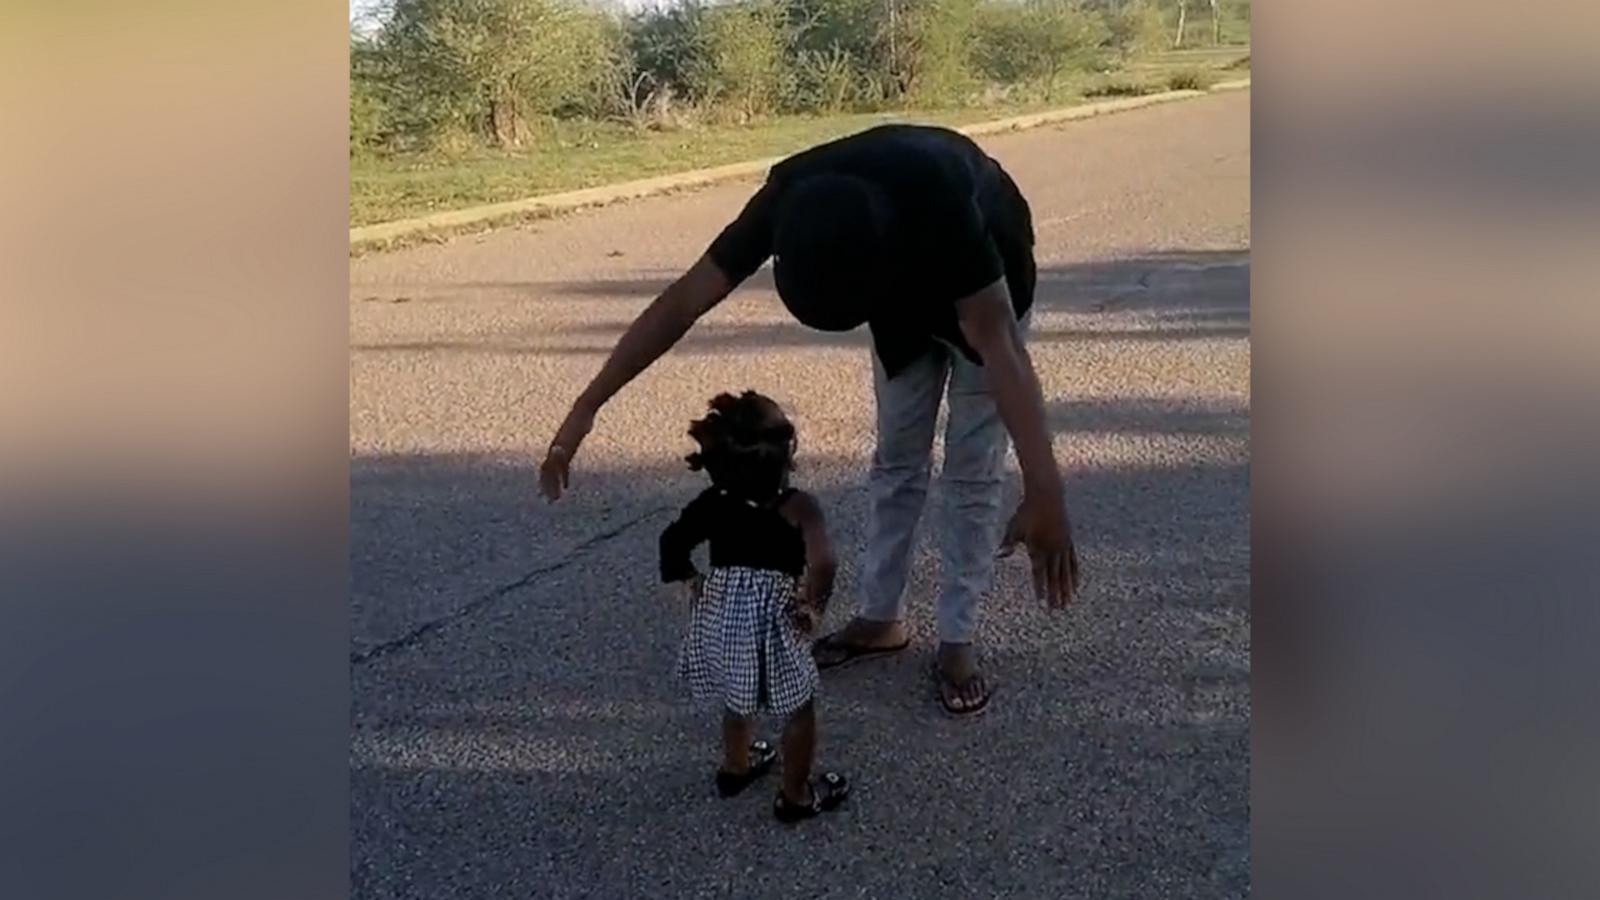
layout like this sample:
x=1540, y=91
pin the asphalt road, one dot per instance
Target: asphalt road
x=516, y=728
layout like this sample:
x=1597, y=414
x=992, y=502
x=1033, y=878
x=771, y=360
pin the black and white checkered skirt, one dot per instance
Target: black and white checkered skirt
x=743, y=649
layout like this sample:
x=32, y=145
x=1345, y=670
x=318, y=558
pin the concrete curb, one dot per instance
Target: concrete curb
x=565, y=201
x=1071, y=113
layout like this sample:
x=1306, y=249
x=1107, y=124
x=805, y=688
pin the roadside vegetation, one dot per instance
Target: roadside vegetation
x=459, y=102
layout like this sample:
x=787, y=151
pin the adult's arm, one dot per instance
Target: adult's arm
x=662, y=324
x=990, y=328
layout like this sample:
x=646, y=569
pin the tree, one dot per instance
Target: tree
x=739, y=54
x=1138, y=27
x=368, y=115
x=1036, y=40
x=930, y=47
x=662, y=42
x=824, y=80
x=493, y=64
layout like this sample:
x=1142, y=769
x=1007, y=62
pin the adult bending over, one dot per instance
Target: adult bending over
x=918, y=234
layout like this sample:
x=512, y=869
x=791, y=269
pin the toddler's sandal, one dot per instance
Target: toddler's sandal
x=827, y=793
x=762, y=756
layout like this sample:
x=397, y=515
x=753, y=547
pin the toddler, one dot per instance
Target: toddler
x=772, y=570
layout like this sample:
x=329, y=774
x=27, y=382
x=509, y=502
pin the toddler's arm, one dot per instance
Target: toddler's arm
x=679, y=540
x=805, y=513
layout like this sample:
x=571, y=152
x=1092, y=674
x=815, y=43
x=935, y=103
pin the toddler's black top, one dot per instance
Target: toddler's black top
x=742, y=533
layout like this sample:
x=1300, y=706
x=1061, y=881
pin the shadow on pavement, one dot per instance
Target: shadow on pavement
x=517, y=731
x=644, y=283
x=1188, y=295
x=534, y=742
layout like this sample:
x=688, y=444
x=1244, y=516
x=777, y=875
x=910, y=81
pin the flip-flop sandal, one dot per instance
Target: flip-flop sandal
x=961, y=712
x=852, y=653
x=762, y=756
x=827, y=793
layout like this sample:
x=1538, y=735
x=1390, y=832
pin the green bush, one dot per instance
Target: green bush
x=874, y=92
x=444, y=74
x=368, y=116
x=823, y=81
x=661, y=43
x=1139, y=27
x=1189, y=80
x=491, y=66
x=901, y=50
x=1007, y=48
x=857, y=28
x=930, y=49
x=739, y=57
x=1035, y=41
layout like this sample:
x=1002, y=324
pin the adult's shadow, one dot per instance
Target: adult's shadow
x=534, y=740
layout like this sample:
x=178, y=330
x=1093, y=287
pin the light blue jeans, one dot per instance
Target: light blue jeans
x=970, y=486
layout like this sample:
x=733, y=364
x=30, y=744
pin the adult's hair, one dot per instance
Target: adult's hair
x=828, y=250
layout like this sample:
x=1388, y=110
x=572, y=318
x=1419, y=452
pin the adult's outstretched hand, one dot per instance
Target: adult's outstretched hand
x=1042, y=527
x=555, y=474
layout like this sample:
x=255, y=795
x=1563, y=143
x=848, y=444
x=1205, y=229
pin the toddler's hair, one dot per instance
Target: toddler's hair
x=747, y=445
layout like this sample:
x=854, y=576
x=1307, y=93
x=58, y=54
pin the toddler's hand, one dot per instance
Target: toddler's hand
x=806, y=618
x=689, y=589
x=815, y=592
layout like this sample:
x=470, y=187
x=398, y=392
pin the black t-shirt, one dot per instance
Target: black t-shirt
x=958, y=224
x=741, y=533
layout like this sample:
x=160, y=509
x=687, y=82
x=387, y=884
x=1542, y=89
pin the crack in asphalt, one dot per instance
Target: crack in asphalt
x=416, y=634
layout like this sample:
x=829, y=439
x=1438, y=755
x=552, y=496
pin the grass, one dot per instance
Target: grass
x=571, y=155
x=576, y=154
x=1164, y=64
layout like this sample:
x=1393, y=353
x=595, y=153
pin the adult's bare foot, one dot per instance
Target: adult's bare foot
x=963, y=690
x=860, y=639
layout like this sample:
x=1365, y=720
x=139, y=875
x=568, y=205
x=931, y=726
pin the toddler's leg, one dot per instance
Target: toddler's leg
x=799, y=747
x=737, y=733
x=744, y=761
